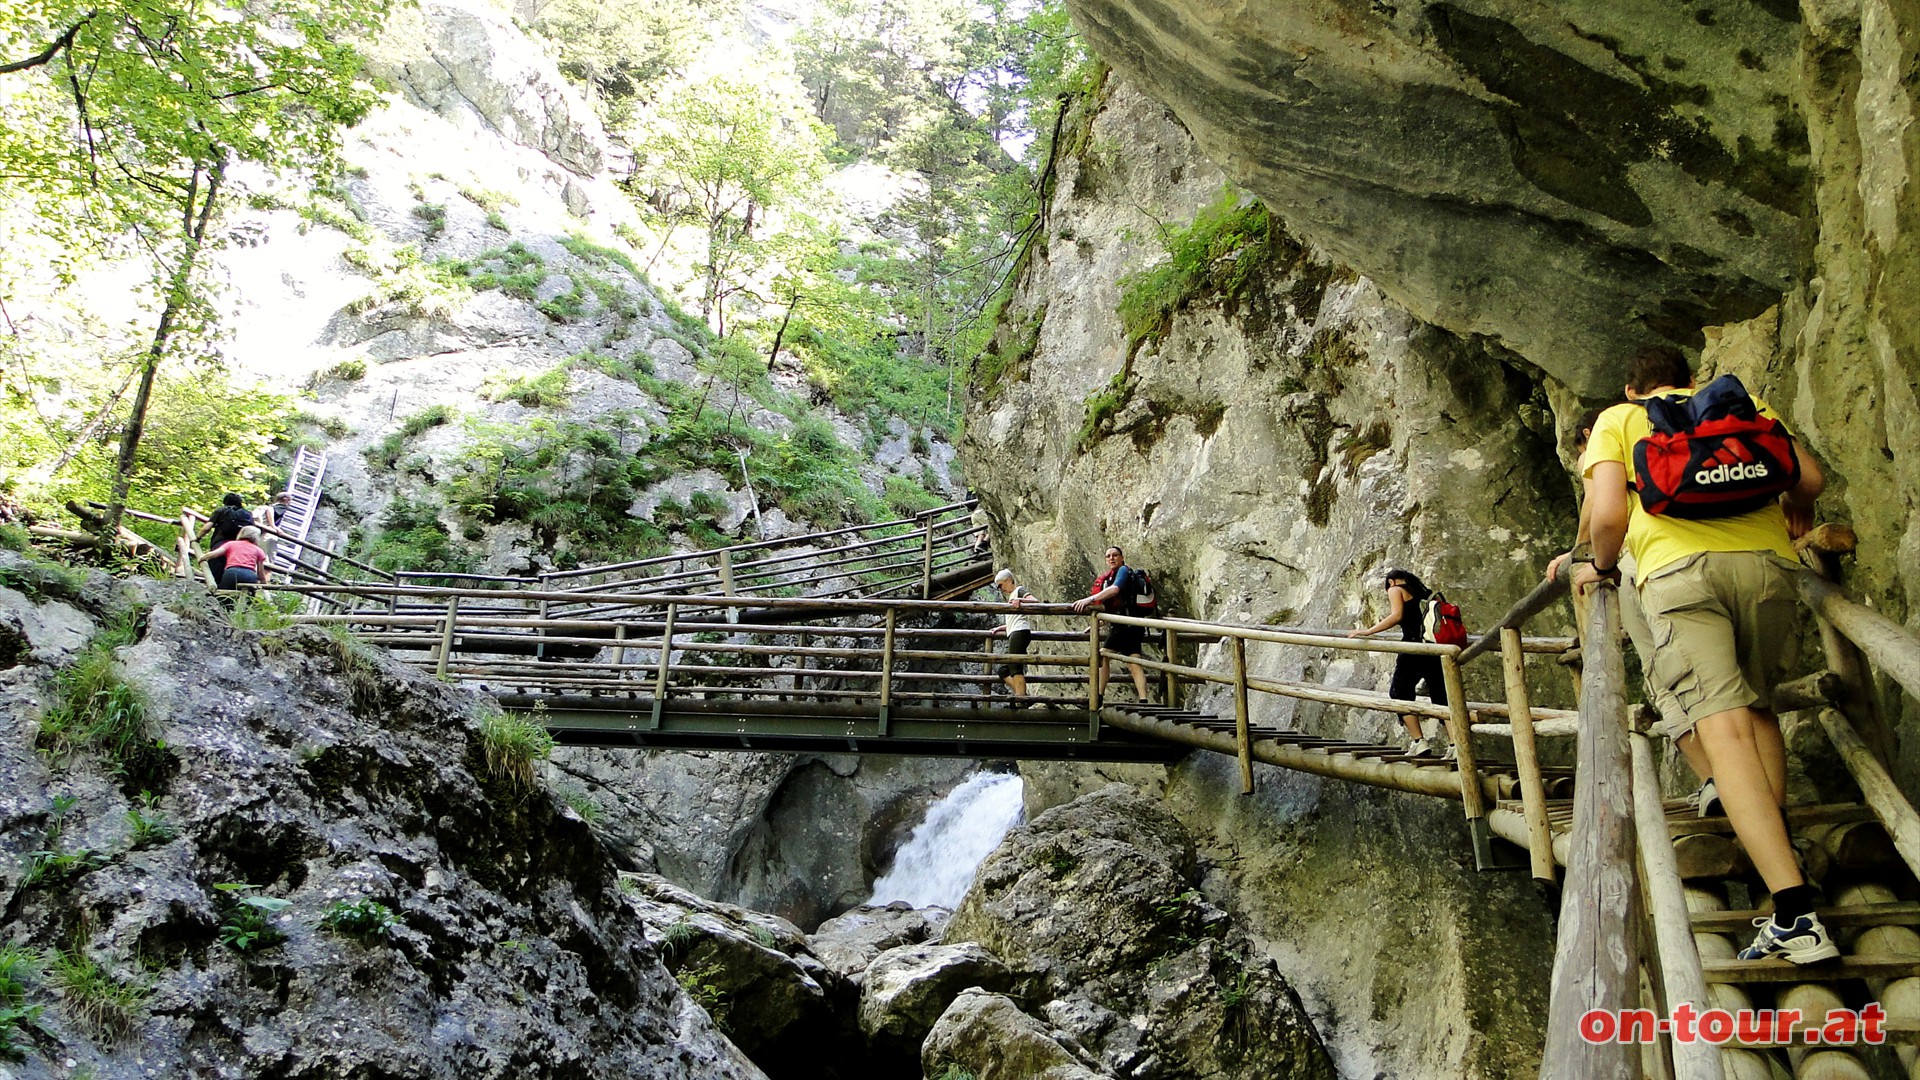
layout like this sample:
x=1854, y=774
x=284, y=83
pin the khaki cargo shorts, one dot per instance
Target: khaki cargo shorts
x=1725, y=630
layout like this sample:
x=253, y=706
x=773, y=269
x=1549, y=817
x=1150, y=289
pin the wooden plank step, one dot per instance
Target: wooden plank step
x=1897, y=1032
x=1822, y=814
x=1905, y=913
x=1783, y=971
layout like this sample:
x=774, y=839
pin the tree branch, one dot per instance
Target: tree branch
x=61, y=42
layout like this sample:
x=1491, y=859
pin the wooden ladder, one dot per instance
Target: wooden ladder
x=303, y=484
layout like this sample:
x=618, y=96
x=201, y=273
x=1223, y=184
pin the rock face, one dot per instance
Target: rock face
x=477, y=68
x=1637, y=163
x=1273, y=456
x=321, y=775
x=1095, y=908
x=1576, y=179
x=797, y=835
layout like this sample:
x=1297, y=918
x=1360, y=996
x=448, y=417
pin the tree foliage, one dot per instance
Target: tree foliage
x=120, y=120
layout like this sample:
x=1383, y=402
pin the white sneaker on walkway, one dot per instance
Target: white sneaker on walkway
x=1420, y=748
x=1802, y=941
x=1708, y=800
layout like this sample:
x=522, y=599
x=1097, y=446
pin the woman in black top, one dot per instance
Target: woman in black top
x=1405, y=595
x=226, y=523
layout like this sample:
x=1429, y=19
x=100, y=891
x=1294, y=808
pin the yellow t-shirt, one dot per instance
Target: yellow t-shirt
x=1656, y=540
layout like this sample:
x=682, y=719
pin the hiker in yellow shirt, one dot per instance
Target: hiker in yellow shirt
x=1719, y=596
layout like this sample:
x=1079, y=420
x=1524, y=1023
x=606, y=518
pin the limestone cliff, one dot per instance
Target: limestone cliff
x=1573, y=180
x=1268, y=456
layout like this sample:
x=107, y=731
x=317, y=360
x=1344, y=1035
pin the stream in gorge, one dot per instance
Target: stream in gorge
x=936, y=864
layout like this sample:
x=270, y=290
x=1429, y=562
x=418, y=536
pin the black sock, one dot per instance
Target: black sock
x=1790, y=904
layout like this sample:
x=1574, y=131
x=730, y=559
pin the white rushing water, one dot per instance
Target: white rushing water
x=936, y=864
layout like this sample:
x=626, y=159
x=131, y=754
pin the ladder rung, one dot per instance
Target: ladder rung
x=1906, y=913
x=1823, y=814
x=1777, y=971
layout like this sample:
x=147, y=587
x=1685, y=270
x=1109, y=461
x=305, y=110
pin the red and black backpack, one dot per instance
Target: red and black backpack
x=1712, y=454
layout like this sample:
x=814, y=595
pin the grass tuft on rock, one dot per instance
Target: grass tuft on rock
x=513, y=742
x=98, y=710
x=1221, y=254
x=93, y=996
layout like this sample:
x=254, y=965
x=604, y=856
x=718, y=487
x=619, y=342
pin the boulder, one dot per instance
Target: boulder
x=988, y=1036
x=907, y=988
x=753, y=971
x=848, y=942
x=1098, y=900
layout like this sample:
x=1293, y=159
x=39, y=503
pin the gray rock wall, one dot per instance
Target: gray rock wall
x=320, y=775
x=1272, y=459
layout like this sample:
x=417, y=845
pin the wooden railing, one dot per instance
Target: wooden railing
x=760, y=646
x=1614, y=900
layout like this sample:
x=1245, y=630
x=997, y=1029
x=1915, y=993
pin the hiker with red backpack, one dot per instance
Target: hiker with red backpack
x=1418, y=612
x=1122, y=590
x=1707, y=489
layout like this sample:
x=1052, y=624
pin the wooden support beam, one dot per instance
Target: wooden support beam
x=1526, y=760
x=1243, y=740
x=1595, y=961
x=1680, y=971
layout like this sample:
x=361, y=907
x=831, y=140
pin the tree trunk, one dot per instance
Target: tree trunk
x=780, y=334
x=194, y=223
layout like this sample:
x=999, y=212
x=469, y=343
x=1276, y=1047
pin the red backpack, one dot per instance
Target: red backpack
x=1441, y=622
x=1712, y=454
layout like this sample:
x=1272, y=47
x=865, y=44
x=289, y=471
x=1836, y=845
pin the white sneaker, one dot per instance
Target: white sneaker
x=1420, y=748
x=1802, y=941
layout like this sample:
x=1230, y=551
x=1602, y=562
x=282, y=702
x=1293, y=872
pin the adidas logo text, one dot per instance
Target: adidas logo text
x=1725, y=474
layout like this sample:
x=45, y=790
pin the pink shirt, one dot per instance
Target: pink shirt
x=241, y=553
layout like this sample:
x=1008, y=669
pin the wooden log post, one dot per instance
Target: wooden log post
x=926, y=557
x=1460, y=732
x=1093, y=662
x=1679, y=964
x=726, y=582
x=1242, y=733
x=620, y=652
x=184, y=567
x=1526, y=758
x=886, y=669
x=1877, y=786
x=1594, y=964
x=446, y=637
x=666, y=664
x=540, y=650
x=1172, y=678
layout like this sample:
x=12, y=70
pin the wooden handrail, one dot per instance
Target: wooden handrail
x=1890, y=646
x=1596, y=960
x=1540, y=599
x=1679, y=967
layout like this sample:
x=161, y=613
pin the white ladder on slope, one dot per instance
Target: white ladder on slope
x=303, y=483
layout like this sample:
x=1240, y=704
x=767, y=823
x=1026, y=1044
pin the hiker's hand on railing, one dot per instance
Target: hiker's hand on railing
x=1359, y=633
x=1559, y=561
x=1799, y=519
x=1080, y=606
x=1585, y=577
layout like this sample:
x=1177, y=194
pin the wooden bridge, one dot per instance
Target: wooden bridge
x=857, y=641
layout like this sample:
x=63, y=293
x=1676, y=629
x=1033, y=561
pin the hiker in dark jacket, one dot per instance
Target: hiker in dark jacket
x=1405, y=594
x=1120, y=584
x=225, y=526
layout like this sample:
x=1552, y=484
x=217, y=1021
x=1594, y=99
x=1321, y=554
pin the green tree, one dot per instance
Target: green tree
x=727, y=151
x=122, y=119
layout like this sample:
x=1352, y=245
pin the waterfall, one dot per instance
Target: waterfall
x=936, y=864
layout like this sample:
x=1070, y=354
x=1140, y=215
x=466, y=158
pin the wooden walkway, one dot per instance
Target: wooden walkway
x=710, y=651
